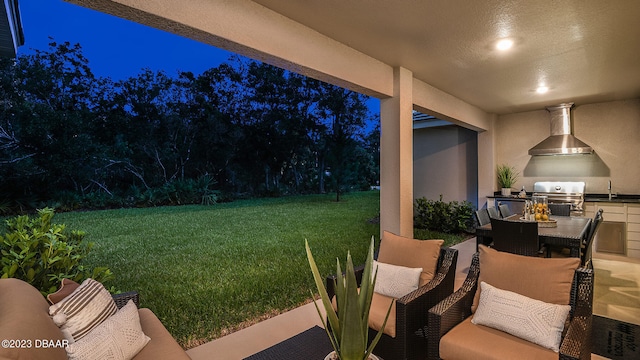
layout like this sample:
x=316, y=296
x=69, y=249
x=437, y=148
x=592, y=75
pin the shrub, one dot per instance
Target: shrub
x=65, y=201
x=451, y=217
x=100, y=200
x=42, y=253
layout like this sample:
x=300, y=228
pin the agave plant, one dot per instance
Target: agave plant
x=348, y=328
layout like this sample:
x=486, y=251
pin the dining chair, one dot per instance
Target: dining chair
x=587, y=243
x=482, y=216
x=560, y=209
x=504, y=210
x=585, y=252
x=493, y=213
x=516, y=237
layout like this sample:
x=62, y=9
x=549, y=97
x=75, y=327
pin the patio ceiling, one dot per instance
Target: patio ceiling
x=584, y=51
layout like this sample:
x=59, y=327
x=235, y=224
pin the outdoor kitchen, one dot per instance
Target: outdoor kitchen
x=603, y=171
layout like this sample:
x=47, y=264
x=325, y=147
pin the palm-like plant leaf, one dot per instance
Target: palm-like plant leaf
x=326, y=302
x=353, y=340
x=349, y=326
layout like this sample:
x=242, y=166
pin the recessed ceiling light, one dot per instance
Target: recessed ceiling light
x=542, y=89
x=504, y=44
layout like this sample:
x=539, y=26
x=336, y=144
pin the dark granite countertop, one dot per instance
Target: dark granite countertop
x=591, y=197
x=619, y=198
x=514, y=196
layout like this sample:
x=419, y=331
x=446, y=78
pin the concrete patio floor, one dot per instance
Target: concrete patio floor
x=616, y=295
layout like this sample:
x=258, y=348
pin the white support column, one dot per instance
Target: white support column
x=396, y=156
x=486, y=164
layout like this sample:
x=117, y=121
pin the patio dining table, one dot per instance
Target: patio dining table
x=569, y=232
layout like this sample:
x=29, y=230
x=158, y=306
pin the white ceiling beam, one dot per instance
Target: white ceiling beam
x=249, y=29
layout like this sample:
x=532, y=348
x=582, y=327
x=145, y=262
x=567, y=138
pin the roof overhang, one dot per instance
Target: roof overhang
x=11, y=33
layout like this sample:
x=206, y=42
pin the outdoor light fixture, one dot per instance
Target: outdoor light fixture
x=504, y=44
x=542, y=89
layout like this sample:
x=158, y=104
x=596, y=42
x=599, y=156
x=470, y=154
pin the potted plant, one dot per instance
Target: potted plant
x=348, y=327
x=507, y=176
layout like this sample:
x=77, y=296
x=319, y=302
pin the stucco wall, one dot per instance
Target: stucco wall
x=445, y=162
x=612, y=129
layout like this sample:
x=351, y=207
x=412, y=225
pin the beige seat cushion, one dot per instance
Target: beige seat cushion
x=477, y=342
x=543, y=279
x=377, y=312
x=403, y=251
x=24, y=314
x=162, y=344
x=379, y=306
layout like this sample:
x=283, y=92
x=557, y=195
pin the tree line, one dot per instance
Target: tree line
x=71, y=139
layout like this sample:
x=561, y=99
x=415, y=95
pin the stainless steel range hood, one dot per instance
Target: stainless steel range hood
x=561, y=141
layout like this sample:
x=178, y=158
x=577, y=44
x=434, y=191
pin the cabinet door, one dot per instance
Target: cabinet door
x=633, y=230
x=611, y=238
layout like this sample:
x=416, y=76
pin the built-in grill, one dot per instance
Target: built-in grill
x=563, y=192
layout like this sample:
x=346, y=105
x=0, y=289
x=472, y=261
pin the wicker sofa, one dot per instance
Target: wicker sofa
x=25, y=321
x=480, y=342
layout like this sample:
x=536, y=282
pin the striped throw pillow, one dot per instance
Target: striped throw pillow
x=84, y=309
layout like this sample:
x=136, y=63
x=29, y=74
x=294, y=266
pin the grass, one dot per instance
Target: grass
x=449, y=239
x=210, y=270
x=207, y=271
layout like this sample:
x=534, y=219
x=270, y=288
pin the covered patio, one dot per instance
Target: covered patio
x=439, y=58
x=611, y=274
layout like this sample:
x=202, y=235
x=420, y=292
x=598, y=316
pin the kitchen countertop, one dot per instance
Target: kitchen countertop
x=619, y=198
x=591, y=197
x=514, y=196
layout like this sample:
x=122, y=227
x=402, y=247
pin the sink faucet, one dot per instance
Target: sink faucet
x=609, y=188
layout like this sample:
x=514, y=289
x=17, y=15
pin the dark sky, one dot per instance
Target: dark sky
x=115, y=47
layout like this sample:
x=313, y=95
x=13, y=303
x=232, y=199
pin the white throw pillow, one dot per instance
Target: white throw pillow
x=529, y=319
x=395, y=281
x=120, y=337
x=84, y=309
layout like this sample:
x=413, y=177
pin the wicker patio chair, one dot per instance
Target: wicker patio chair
x=560, y=209
x=576, y=339
x=482, y=217
x=516, y=237
x=585, y=252
x=587, y=243
x=411, y=311
x=505, y=212
x=123, y=298
x=493, y=212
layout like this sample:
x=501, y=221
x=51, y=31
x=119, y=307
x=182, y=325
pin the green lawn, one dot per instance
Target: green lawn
x=209, y=270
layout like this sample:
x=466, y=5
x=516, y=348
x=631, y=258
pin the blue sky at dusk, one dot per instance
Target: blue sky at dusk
x=115, y=47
